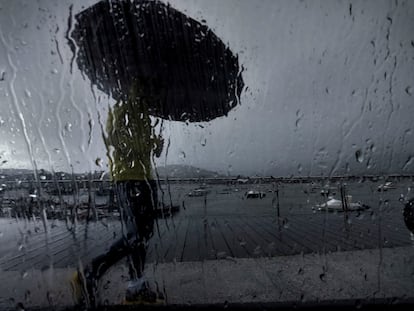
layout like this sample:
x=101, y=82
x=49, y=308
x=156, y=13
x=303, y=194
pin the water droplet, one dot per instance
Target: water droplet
x=104, y=222
x=55, y=71
x=27, y=295
x=42, y=177
x=257, y=250
x=408, y=163
x=369, y=164
x=50, y=298
x=359, y=156
x=106, y=285
x=221, y=255
x=98, y=162
x=68, y=127
x=409, y=90
x=322, y=276
x=182, y=155
x=360, y=216
x=203, y=142
x=24, y=274
x=285, y=223
x=302, y=297
x=19, y=306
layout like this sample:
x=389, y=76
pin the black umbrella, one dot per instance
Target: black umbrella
x=188, y=72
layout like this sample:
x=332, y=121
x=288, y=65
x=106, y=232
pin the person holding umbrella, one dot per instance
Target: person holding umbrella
x=154, y=61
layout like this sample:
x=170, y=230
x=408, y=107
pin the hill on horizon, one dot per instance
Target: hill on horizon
x=185, y=171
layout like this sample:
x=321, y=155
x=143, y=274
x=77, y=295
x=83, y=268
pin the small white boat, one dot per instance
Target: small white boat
x=199, y=192
x=335, y=205
x=252, y=194
x=387, y=186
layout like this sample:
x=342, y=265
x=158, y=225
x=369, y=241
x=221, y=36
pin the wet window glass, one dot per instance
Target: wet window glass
x=206, y=153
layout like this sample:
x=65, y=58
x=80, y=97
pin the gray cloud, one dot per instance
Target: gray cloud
x=325, y=81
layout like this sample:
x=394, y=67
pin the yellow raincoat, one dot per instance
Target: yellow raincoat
x=131, y=140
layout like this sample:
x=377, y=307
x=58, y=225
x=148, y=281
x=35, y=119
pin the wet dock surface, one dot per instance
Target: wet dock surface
x=221, y=224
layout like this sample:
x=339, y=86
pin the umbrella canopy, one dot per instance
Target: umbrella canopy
x=186, y=70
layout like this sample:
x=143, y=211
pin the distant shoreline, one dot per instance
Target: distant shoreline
x=29, y=179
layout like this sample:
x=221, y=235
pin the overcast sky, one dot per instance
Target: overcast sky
x=329, y=89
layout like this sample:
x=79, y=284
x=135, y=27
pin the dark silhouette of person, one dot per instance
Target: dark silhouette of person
x=153, y=61
x=131, y=145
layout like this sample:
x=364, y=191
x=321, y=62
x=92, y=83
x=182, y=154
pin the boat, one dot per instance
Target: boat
x=253, y=194
x=334, y=205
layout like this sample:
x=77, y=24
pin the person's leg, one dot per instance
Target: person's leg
x=143, y=206
x=88, y=280
x=143, y=203
x=99, y=265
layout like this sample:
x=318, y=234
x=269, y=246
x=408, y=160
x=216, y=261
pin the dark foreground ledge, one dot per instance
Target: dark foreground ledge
x=367, y=280
x=378, y=304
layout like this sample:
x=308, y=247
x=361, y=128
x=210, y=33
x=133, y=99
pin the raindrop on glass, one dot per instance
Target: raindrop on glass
x=24, y=274
x=20, y=307
x=257, y=250
x=285, y=223
x=98, y=162
x=221, y=255
x=359, y=156
x=68, y=127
